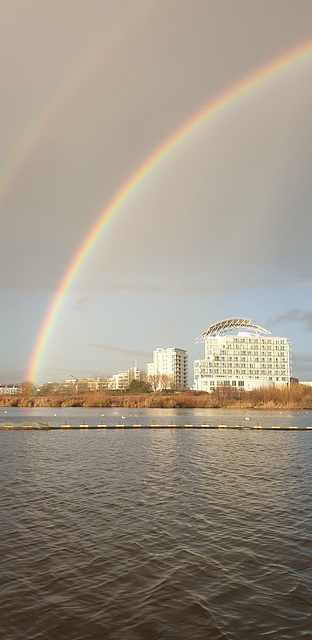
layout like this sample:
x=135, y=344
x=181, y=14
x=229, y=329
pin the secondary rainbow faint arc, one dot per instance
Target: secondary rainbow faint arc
x=210, y=109
x=35, y=130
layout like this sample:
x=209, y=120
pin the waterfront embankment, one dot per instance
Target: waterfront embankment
x=295, y=397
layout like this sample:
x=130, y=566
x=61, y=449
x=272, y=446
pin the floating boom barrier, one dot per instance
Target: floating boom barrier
x=82, y=427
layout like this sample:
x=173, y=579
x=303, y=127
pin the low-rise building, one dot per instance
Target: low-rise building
x=122, y=380
x=87, y=384
x=10, y=389
x=119, y=381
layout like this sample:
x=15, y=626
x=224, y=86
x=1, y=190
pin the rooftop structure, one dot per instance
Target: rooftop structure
x=225, y=326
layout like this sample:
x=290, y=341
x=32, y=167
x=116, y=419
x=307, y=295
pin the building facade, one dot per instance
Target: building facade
x=119, y=381
x=10, y=389
x=122, y=379
x=169, y=369
x=242, y=355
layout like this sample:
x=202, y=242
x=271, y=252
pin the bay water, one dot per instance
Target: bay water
x=155, y=534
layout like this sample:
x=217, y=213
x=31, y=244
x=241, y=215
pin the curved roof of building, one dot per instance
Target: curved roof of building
x=225, y=326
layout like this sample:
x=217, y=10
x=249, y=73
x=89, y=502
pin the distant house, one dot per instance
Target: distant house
x=119, y=381
x=10, y=389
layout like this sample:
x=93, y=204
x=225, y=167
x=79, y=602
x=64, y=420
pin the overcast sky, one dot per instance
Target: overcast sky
x=220, y=228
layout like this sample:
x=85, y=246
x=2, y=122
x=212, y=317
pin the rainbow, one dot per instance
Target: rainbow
x=128, y=187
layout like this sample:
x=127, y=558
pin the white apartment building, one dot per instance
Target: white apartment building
x=82, y=384
x=119, y=381
x=10, y=389
x=169, y=369
x=247, y=359
x=123, y=379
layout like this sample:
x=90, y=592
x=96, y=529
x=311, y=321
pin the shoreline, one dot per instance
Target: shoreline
x=296, y=397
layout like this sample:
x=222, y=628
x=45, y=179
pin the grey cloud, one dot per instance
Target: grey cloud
x=109, y=347
x=239, y=199
x=225, y=210
x=295, y=315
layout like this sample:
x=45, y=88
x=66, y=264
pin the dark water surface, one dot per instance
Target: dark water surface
x=156, y=534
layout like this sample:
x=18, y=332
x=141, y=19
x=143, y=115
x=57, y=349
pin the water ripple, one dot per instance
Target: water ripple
x=155, y=535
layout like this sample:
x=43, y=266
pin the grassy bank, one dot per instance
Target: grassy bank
x=295, y=397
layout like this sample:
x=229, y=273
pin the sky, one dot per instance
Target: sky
x=221, y=227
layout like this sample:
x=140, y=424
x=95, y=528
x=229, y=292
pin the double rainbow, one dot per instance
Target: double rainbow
x=213, y=107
